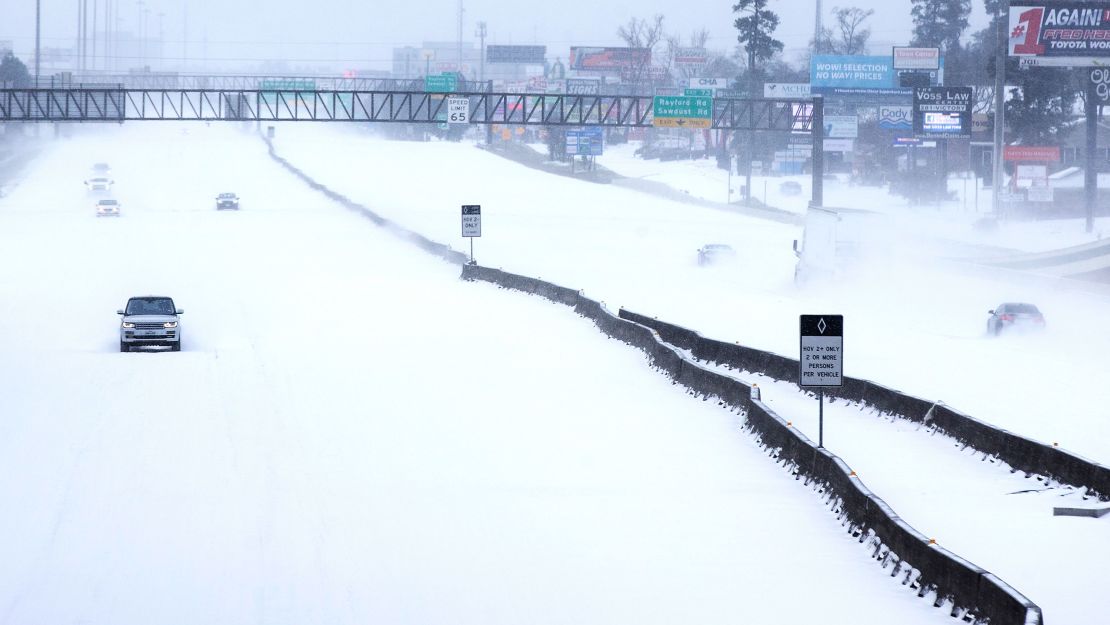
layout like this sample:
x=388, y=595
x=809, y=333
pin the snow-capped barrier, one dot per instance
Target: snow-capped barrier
x=421, y=241
x=1020, y=453
x=971, y=593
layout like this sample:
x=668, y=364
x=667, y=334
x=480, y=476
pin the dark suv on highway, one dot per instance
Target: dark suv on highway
x=150, y=320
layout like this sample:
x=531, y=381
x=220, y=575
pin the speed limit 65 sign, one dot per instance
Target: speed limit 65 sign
x=458, y=110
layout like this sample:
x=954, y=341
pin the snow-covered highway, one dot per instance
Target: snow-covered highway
x=352, y=434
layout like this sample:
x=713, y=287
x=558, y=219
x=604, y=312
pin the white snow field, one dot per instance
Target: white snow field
x=912, y=322
x=1002, y=521
x=352, y=434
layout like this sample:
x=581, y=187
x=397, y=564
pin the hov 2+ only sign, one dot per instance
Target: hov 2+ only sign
x=821, y=362
x=471, y=220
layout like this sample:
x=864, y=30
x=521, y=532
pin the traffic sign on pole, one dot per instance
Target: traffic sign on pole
x=821, y=362
x=822, y=356
x=458, y=110
x=471, y=225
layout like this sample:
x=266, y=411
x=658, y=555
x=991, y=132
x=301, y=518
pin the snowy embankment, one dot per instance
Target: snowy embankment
x=352, y=434
x=953, y=220
x=913, y=323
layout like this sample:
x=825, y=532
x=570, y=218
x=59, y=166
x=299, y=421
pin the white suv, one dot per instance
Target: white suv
x=150, y=320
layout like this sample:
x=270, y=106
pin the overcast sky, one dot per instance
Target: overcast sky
x=361, y=34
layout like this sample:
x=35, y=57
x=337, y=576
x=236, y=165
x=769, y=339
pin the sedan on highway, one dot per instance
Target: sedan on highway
x=107, y=208
x=150, y=320
x=227, y=201
x=99, y=183
x=1014, y=315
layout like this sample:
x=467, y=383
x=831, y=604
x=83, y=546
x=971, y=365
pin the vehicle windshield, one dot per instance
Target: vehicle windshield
x=1022, y=309
x=107, y=202
x=150, y=306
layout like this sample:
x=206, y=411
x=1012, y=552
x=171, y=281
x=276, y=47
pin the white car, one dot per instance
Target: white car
x=107, y=208
x=99, y=183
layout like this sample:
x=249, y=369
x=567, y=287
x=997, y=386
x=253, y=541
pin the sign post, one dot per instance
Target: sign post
x=471, y=225
x=821, y=361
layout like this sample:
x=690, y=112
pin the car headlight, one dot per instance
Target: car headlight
x=169, y=324
x=128, y=324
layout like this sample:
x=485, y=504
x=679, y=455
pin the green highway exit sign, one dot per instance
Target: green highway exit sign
x=679, y=111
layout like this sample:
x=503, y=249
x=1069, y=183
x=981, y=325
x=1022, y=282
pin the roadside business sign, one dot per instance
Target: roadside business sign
x=682, y=112
x=896, y=117
x=583, y=86
x=441, y=83
x=786, y=90
x=458, y=110
x=1099, y=87
x=1072, y=33
x=942, y=112
x=821, y=362
x=838, y=145
x=585, y=142
x=1042, y=154
x=709, y=83
x=1040, y=194
x=841, y=126
x=524, y=55
x=691, y=56
x=471, y=220
x=916, y=58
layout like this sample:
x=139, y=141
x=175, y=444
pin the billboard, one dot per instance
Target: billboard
x=589, y=59
x=896, y=117
x=786, y=90
x=1035, y=153
x=916, y=58
x=841, y=126
x=583, y=86
x=529, y=55
x=1059, y=29
x=867, y=76
x=942, y=112
x=691, y=56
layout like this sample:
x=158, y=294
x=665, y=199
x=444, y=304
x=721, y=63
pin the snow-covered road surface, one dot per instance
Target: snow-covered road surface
x=352, y=434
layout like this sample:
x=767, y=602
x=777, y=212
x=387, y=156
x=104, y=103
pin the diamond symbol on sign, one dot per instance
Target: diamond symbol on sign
x=821, y=325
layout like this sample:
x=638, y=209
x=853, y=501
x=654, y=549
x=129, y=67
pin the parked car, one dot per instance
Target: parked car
x=107, y=208
x=1014, y=315
x=714, y=252
x=227, y=201
x=99, y=183
x=150, y=320
x=790, y=187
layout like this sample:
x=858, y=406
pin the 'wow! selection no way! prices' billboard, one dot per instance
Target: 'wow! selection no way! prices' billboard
x=1059, y=29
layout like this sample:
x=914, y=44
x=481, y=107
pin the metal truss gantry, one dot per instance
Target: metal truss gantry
x=527, y=109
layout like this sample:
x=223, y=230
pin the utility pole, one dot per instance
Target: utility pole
x=38, y=34
x=817, y=25
x=459, y=67
x=84, y=34
x=999, y=104
x=481, y=33
x=96, y=12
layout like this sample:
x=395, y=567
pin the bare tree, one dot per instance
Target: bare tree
x=641, y=33
x=853, y=35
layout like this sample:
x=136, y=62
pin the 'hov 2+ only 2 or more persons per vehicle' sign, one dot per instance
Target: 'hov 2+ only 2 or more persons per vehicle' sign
x=821, y=362
x=471, y=220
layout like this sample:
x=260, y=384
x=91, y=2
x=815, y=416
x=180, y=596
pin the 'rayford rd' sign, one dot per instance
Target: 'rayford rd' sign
x=821, y=362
